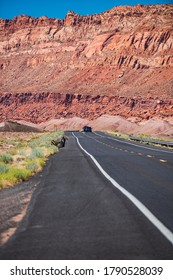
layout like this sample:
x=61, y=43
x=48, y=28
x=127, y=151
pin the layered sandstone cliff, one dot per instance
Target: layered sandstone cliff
x=117, y=62
x=45, y=106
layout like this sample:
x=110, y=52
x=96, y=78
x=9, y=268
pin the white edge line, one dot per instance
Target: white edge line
x=157, y=150
x=164, y=230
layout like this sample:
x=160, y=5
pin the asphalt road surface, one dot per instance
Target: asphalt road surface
x=77, y=213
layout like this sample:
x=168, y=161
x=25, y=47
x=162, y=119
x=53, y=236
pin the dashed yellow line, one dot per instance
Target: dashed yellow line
x=132, y=152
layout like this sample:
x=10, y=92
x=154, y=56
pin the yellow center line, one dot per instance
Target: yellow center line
x=120, y=149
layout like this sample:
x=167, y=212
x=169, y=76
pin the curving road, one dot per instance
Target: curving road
x=145, y=171
x=78, y=213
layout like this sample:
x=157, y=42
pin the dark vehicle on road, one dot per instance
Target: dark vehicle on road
x=86, y=129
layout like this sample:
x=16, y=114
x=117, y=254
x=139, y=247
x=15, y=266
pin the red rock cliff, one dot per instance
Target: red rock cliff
x=44, y=106
x=124, y=53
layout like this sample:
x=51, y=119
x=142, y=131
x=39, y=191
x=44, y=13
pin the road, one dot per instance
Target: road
x=146, y=172
x=78, y=213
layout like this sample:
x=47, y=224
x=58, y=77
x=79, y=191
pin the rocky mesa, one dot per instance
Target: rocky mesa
x=119, y=62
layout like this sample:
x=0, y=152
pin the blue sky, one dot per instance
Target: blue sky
x=59, y=8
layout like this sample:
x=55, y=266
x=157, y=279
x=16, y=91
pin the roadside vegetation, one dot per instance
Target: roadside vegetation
x=142, y=136
x=24, y=154
x=118, y=134
x=149, y=137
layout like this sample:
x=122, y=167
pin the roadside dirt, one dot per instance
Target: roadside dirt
x=14, y=202
x=9, y=140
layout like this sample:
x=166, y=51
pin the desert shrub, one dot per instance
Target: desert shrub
x=143, y=136
x=45, y=140
x=53, y=149
x=21, y=144
x=3, y=168
x=20, y=174
x=36, y=153
x=13, y=151
x=2, y=184
x=6, y=158
x=7, y=179
x=14, y=175
x=41, y=162
x=32, y=165
x=22, y=152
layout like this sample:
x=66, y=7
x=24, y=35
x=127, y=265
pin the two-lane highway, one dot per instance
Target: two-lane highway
x=85, y=206
x=145, y=171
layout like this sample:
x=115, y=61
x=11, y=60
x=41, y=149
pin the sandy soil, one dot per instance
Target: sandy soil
x=14, y=202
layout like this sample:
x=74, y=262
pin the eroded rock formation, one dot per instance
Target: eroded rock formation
x=44, y=106
x=117, y=62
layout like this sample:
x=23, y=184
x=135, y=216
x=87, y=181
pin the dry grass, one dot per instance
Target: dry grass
x=23, y=154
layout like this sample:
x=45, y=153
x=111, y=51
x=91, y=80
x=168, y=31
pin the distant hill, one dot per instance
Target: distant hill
x=17, y=127
x=153, y=127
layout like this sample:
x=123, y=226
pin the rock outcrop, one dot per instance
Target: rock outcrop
x=45, y=106
x=117, y=62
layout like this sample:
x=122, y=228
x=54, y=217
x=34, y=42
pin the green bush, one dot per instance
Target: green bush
x=53, y=149
x=22, y=152
x=41, y=162
x=32, y=166
x=6, y=158
x=13, y=176
x=3, y=168
x=36, y=153
x=7, y=179
x=20, y=173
